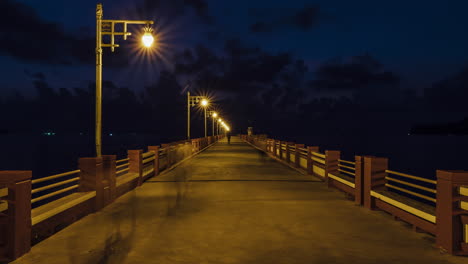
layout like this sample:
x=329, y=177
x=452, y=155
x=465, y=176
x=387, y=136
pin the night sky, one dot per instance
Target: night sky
x=363, y=77
x=423, y=41
x=282, y=55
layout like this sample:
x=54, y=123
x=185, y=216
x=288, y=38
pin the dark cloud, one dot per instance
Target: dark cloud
x=303, y=19
x=176, y=8
x=36, y=75
x=360, y=72
x=32, y=39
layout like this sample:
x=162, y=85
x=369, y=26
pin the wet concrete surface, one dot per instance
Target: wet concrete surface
x=232, y=204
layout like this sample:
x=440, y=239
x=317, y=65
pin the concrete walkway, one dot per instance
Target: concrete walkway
x=233, y=205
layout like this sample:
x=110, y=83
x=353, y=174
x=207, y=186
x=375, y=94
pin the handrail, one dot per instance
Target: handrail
x=349, y=162
x=412, y=185
x=412, y=193
x=122, y=160
x=120, y=171
x=347, y=172
x=344, y=166
x=121, y=166
x=40, y=198
x=318, y=154
x=54, y=185
x=411, y=176
x=147, y=160
x=55, y=176
x=318, y=160
x=147, y=154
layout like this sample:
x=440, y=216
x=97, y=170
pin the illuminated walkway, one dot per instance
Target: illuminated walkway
x=233, y=205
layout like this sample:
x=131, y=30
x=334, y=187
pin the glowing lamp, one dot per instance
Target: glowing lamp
x=147, y=38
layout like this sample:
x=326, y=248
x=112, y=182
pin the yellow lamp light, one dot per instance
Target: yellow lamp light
x=204, y=102
x=147, y=38
x=215, y=114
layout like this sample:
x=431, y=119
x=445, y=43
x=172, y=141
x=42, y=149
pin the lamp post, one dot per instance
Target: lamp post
x=204, y=104
x=191, y=102
x=213, y=115
x=107, y=27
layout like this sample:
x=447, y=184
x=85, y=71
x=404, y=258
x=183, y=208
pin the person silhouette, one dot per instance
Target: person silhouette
x=228, y=135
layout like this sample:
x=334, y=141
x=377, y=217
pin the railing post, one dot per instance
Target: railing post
x=359, y=180
x=331, y=163
x=155, y=149
x=452, y=211
x=297, y=155
x=91, y=179
x=135, y=163
x=374, y=177
x=281, y=150
x=15, y=227
x=274, y=148
x=109, y=178
x=287, y=152
x=310, y=162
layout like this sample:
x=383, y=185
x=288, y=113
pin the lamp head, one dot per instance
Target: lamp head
x=215, y=114
x=204, y=103
x=147, y=38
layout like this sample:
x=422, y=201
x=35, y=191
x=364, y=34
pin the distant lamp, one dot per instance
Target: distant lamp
x=215, y=114
x=147, y=38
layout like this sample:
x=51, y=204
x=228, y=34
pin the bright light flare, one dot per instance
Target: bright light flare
x=215, y=114
x=204, y=103
x=147, y=40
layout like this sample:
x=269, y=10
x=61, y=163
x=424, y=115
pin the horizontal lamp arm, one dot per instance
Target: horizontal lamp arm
x=130, y=22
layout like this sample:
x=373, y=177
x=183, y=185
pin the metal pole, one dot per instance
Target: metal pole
x=188, y=115
x=99, y=13
x=212, y=125
x=205, y=122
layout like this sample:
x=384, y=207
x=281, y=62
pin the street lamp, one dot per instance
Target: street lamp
x=191, y=102
x=204, y=104
x=107, y=27
x=213, y=114
x=219, y=122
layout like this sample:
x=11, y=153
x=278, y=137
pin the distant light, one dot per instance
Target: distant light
x=204, y=102
x=215, y=114
x=220, y=120
x=110, y=134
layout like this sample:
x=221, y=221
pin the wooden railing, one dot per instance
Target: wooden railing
x=439, y=207
x=122, y=166
x=407, y=183
x=48, y=188
x=62, y=199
